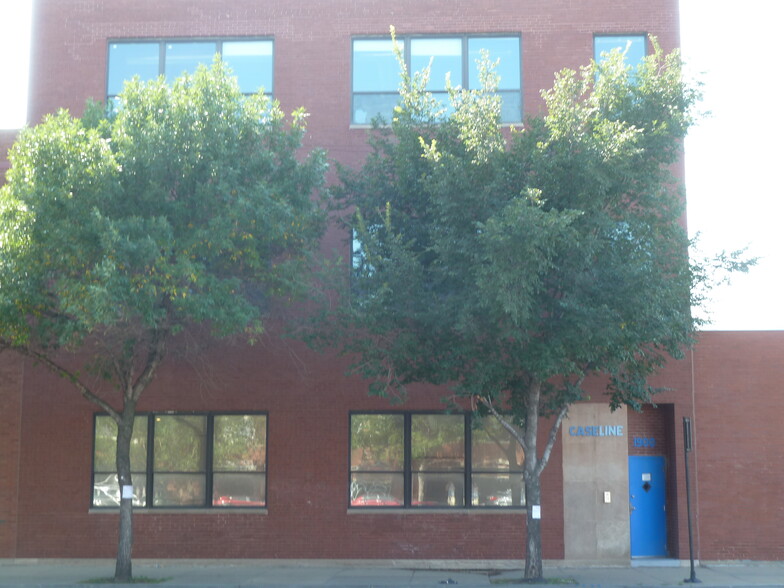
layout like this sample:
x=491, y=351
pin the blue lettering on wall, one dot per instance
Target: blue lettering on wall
x=644, y=442
x=597, y=431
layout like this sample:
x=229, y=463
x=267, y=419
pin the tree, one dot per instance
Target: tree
x=513, y=266
x=187, y=207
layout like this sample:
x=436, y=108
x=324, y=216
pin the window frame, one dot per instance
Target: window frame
x=408, y=473
x=162, y=42
x=466, y=68
x=209, y=466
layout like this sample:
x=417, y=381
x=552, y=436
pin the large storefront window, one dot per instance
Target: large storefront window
x=433, y=460
x=186, y=460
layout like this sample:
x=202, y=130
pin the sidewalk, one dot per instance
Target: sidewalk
x=269, y=573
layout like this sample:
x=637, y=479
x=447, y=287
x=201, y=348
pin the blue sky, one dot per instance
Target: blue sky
x=735, y=197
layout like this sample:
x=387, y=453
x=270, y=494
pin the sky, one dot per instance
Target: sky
x=735, y=198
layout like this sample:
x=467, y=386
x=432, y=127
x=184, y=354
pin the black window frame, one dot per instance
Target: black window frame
x=209, y=471
x=466, y=67
x=407, y=472
x=162, y=42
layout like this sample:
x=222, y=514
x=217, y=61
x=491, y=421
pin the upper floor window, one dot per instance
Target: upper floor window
x=249, y=59
x=376, y=74
x=193, y=460
x=634, y=47
x=433, y=460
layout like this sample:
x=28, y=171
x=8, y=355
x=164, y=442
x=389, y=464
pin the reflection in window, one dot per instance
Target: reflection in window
x=376, y=74
x=433, y=460
x=179, y=475
x=375, y=78
x=377, y=457
x=250, y=61
x=127, y=60
x=106, y=489
x=497, y=473
x=239, y=461
x=176, y=470
x=633, y=47
x=183, y=58
x=437, y=460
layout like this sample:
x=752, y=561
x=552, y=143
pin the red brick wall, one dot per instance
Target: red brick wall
x=308, y=403
x=739, y=416
x=306, y=396
x=10, y=438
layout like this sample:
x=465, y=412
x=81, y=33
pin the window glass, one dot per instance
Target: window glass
x=176, y=468
x=511, y=106
x=429, y=489
x=127, y=60
x=180, y=443
x=437, y=442
x=186, y=57
x=447, y=58
x=497, y=466
x=375, y=78
x=106, y=490
x=437, y=445
x=377, y=460
x=504, y=49
x=376, y=73
x=239, y=460
x=420, y=460
x=377, y=442
x=239, y=489
x=497, y=490
x=374, y=66
x=634, y=47
x=493, y=448
x=377, y=489
x=240, y=443
x=251, y=62
x=180, y=460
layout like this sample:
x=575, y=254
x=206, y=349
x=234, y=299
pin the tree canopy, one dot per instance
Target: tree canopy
x=511, y=264
x=189, y=205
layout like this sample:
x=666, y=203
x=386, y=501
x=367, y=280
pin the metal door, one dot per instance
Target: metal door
x=647, y=506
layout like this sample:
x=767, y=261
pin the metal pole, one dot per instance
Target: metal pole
x=686, y=450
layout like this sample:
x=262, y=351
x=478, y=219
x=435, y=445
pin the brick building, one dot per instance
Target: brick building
x=308, y=493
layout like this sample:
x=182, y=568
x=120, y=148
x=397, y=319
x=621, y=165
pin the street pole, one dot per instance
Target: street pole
x=686, y=450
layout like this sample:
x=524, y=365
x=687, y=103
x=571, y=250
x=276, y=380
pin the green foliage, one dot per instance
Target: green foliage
x=189, y=204
x=502, y=262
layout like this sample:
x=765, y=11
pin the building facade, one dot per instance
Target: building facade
x=306, y=480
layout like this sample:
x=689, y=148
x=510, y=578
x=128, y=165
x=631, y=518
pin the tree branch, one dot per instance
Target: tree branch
x=504, y=423
x=67, y=374
x=154, y=359
x=551, y=438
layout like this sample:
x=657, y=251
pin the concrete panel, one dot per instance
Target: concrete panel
x=595, y=461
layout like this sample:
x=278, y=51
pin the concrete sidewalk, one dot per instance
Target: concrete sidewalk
x=202, y=573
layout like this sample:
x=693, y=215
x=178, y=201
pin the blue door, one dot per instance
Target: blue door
x=647, y=507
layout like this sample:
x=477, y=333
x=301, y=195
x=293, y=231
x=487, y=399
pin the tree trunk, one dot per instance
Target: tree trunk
x=533, y=551
x=123, y=571
x=533, y=488
x=532, y=469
